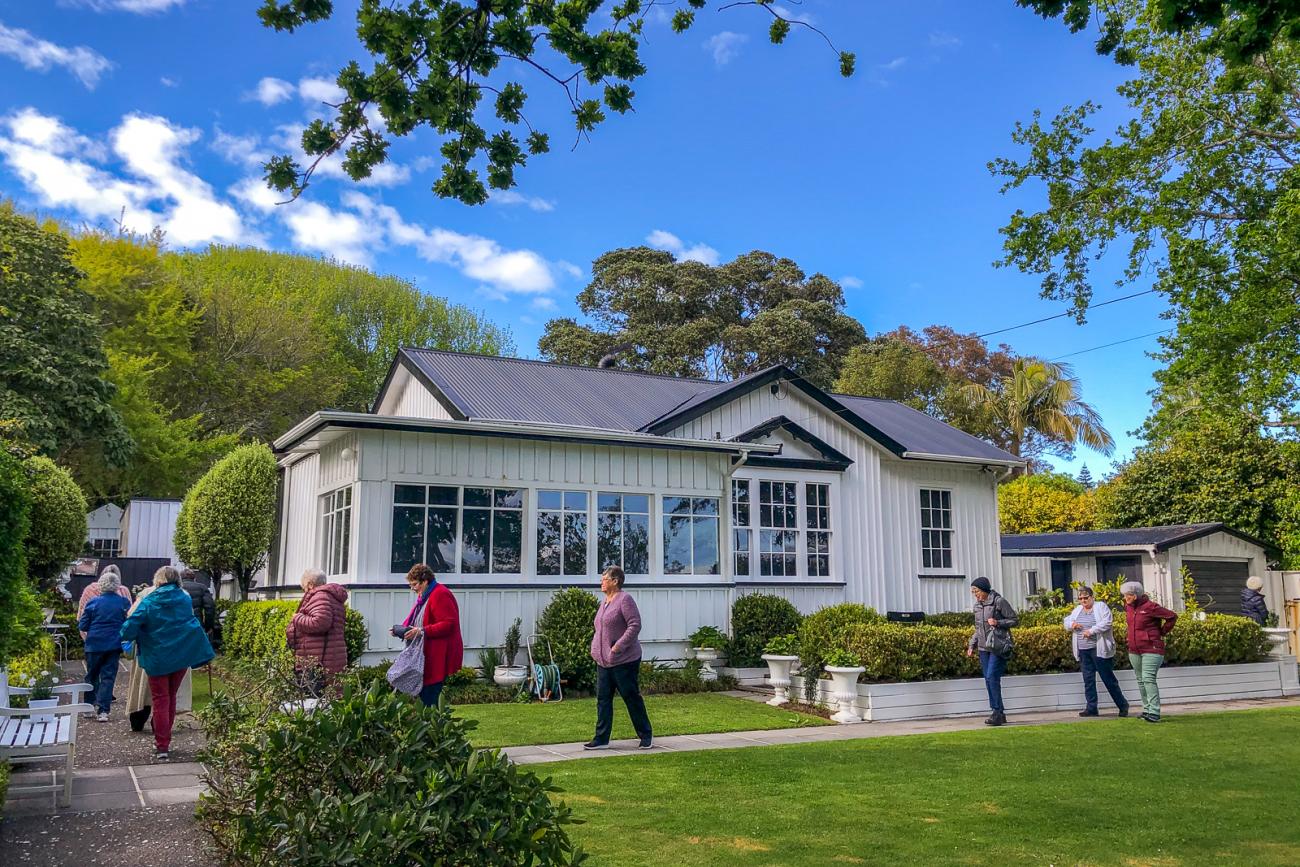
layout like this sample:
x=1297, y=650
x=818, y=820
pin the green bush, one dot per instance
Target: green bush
x=480, y=693
x=824, y=629
x=708, y=637
x=19, y=612
x=463, y=676
x=370, y=778
x=897, y=652
x=660, y=678
x=960, y=619
x=567, y=621
x=41, y=658
x=755, y=620
x=1041, y=649
x=1047, y=616
x=256, y=630
x=57, y=520
x=782, y=645
x=1219, y=639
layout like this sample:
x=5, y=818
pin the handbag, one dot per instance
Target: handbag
x=406, y=674
x=998, y=641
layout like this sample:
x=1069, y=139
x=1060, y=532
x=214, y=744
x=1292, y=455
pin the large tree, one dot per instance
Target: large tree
x=654, y=313
x=433, y=61
x=1045, y=503
x=52, y=362
x=1202, y=186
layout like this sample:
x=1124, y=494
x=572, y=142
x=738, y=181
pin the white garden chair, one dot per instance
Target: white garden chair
x=24, y=740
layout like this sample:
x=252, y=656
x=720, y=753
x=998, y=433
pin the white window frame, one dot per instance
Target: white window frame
x=564, y=510
x=1030, y=579
x=106, y=548
x=801, y=480
x=719, y=517
x=622, y=512
x=951, y=530
x=336, y=527
x=524, y=524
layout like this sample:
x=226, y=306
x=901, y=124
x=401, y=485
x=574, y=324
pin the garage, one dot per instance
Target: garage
x=1219, y=583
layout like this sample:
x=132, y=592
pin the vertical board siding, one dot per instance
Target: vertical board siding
x=1013, y=585
x=1222, y=546
x=335, y=472
x=300, y=521
x=806, y=599
x=151, y=529
x=416, y=401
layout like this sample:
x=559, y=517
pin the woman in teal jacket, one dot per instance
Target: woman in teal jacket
x=169, y=641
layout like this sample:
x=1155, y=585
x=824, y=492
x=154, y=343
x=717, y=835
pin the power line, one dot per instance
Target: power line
x=1116, y=343
x=1064, y=314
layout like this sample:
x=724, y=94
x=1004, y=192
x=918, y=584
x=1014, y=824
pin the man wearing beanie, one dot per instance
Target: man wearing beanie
x=994, y=618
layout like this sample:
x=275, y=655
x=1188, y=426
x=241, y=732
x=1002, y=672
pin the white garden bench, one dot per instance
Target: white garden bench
x=23, y=740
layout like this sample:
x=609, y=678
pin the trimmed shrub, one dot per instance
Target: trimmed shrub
x=1219, y=639
x=1054, y=616
x=658, y=678
x=825, y=629
x=57, y=520
x=41, y=658
x=1041, y=649
x=755, y=620
x=960, y=619
x=568, y=623
x=898, y=652
x=19, y=613
x=370, y=778
x=463, y=676
x=256, y=630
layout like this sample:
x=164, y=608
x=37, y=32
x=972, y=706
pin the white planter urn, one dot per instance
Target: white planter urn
x=844, y=686
x=34, y=703
x=779, y=675
x=1281, y=641
x=708, y=656
x=509, y=675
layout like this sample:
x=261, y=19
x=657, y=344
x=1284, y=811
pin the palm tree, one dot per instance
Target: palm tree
x=1037, y=409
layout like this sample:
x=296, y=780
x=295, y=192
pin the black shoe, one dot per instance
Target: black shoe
x=592, y=745
x=646, y=744
x=1123, y=712
x=1088, y=713
x=998, y=718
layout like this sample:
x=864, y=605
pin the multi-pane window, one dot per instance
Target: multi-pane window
x=817, y=505
x=105, y=548
x=623, y=532
x=741, y=534
x=1031, y=581
x=336, y=510
x=778, y=533
x=562, y=533
x=691, y=536
x=936, y=529
x=466, y=530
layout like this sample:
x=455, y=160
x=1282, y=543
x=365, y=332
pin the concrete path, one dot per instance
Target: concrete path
x=122, y=788
x=531, y=755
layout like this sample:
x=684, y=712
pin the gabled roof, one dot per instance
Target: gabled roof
x=831, y=458
x=487, y=387
x=1161, y=538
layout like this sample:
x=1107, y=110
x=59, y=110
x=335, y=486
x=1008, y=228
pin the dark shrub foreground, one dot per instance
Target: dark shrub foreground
x=755, y=620
x=370, y=778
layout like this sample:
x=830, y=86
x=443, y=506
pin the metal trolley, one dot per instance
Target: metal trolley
x=543, y=677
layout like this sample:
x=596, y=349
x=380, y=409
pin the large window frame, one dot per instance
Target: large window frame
x=784, y=541
x=937, y=532
x=693, y=520
x=336, y=531
x=475, y=517
x=567, y=513
x=622, y=521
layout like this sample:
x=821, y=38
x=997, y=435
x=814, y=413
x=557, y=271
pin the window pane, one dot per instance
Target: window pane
x=765, y=492
x=441, y=496
x=636, y=503
x=636, y=544
x=508, y=498
x=478, y=496
x=507, y=541
x=925, y=558
x=925, y=499
x=946, y=499
x=548, y=543
x=549, y=500
x=705, y=506
x=575, y=501
x=677, y=506
x=408, y=538
x=408, y=494
x=609, y=541
x=575, y=544
x=442, y=540
x=677, y=543
x=947, y=558
x=609, y=502
x=476, y=527
x=706, y=546
x=791, y=516
x=345, y=540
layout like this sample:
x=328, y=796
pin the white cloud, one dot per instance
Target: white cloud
x=256, y=194
x=169, y=82
x=241, y=150
x=893, y=65
x=41, y=54
x=340, y=234
x=848, y=281
x=725, y=46
x=320, y=90
x=140, y=7
x=543, y=302
x=939, y=39
x=50, y=159
x=514, y=197
x=270, y=91
x=661, y=240
x=791, y=15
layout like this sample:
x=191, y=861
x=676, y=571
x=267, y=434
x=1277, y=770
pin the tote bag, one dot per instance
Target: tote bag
x=406, y=674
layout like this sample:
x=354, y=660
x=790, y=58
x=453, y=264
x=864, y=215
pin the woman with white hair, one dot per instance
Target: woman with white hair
x=1253, y=604
x=170, y=641
x=1148, y=624
x=101, y=625
x=92, y=590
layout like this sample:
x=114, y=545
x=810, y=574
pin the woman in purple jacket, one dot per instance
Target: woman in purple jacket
x=618, y=661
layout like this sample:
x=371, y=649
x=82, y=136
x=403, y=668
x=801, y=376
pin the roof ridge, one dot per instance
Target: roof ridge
x=546, y=363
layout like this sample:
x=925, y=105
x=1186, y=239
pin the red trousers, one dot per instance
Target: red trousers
x=163, y=689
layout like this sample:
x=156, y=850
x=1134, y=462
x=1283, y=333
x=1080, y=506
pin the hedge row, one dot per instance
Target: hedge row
x=255, y=630
x=824, y=630
x=895, y=652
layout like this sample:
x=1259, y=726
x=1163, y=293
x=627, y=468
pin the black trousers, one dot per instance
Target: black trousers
x=1092, y=666
x=626, y=680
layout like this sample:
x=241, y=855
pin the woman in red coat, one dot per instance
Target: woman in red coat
x=439, y=619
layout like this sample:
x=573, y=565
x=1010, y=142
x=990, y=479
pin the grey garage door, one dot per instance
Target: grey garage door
x=1219, y=583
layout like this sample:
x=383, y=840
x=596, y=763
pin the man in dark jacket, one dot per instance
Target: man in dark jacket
x=205, y=605
x=1253, y=604
x=994, y=618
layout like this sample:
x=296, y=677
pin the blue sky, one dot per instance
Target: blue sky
x=163, y=109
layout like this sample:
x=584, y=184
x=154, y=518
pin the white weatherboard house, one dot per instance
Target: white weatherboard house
x=514, y=478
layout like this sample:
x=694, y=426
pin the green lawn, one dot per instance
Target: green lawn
x=200, y=694
x=569, y=721
x=1206, y=789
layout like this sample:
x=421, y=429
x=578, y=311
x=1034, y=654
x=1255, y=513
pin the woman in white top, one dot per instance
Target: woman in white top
x=1089, y=625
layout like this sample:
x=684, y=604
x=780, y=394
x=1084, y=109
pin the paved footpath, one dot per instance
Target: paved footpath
x=532, y=755
x=121, y=788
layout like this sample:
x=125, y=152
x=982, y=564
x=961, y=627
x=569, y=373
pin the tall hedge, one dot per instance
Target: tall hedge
x=824, y=630
x=256, y=630
x=755, y=620
x=19, y=612
x=568, y=623
x=57, y=520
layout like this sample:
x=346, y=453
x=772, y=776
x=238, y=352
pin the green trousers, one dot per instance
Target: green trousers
x=1145, y=668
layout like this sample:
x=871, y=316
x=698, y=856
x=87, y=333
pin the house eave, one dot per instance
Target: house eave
x=960, y=459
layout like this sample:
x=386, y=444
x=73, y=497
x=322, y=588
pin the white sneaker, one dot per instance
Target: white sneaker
x=102, y=717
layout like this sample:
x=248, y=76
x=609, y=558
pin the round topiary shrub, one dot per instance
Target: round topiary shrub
x=568, y=622
x=57, y=520
x=370, y=778
x=755, y=620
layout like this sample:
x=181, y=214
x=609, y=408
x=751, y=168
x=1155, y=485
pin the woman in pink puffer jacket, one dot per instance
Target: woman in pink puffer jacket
x=315, y=634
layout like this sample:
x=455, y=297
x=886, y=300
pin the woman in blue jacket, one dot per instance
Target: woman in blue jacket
x=101, y=623
x=170, y=641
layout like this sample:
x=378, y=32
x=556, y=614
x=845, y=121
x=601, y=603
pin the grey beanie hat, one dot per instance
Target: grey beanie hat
x=1254, y=582
x=1134, y=587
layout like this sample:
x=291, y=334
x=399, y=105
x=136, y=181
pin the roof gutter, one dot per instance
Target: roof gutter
x=960, y=459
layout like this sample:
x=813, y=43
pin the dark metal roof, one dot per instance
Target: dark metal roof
x=517, y=389
x=1162, y=538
